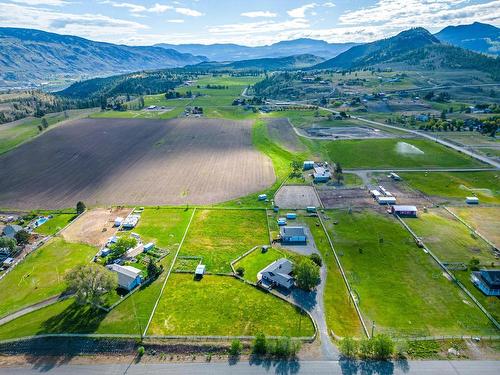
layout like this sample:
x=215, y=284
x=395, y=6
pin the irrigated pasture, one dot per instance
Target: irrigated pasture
x=144, y=162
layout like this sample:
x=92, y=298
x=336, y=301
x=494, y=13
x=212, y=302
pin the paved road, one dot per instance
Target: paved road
x=31, y=308
x=353, y=170
x=271, y=367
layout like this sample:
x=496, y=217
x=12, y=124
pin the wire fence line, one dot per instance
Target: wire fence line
x=445, y=269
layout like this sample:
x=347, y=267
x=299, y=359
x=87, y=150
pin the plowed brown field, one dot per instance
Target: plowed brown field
x=133, y=161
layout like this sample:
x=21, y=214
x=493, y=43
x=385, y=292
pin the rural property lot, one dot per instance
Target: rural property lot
x=294, y=196
x=147, y=162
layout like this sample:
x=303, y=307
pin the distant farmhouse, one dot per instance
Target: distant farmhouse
x=277, y=274
x=487, y=281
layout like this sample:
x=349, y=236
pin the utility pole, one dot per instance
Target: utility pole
x=373, y=328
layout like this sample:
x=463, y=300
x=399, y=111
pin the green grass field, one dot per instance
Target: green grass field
x=220, y=236
x=163, y=226
x=55, y=224
x=457, y=185
x=449, y=239
x=341, y=315
x=486, y=220
x=383, y=153
x=399, y=286
x=41, y=274
x=223, y=305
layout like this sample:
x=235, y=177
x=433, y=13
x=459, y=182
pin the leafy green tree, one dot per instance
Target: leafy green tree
x=7, y=242
x=45, y=124
x=22, y=237
x=80, y=207
x=153, y=269
x=474, y=264
x=366, y=348
x=240, y=271
x=90, y=283
x=236, y=348
x=383, y=346
x=348, y=347
x=121, y=246
x=316, y=258
x=259, y=344
x=307, y=274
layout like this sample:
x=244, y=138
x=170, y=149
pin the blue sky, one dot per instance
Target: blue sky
x=249, y=22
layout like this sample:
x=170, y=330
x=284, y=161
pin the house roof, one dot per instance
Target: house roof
x=491, y=277
x=126, y=274
x=292, y=231
x=11, y=229
x=278, y=271
x=404, y=208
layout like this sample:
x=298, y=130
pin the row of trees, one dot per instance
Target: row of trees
x=378, y=347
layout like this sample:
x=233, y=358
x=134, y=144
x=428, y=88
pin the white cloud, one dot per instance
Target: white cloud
x=134, y=8
x=41, y=2
x=175, y=21
x=93, y=26
x=328, y=4
x=301, y=11
x=159, y=8
x=188, y=12
x=259, y=13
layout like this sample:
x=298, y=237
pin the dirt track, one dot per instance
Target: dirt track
x=132, y=161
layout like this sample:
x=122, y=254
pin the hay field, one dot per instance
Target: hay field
x=134, y=161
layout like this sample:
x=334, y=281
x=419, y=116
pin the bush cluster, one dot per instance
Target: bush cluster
x=280, y=348
x=377, y=347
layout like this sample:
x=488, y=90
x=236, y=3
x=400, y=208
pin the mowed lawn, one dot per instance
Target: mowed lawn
x=399, y=286
x=41, y=274
x=220, y=236
x=58, y=221
x=223, y=305
x=256, y=261
x=457, y=185
x=394, y=153
x=486, y=220
x=448, y=238
x=341, y=315
x=163, y=226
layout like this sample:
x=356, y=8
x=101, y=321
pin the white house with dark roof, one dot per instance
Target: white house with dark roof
x=278, y=273
x=128, y=277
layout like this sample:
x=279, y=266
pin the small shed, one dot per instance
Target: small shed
x=105, y=252
x=262, y=197
x=311, y=209
x=118, y=221
x=472, y=200
x=149, y=246
x=8, y=262
x=386, y=200
x=308, y=164
x=281, y=221
x=293, y=235
x=375, y=193
x=200, y=270
x=291, y=215
x=409, y=211
x=394, y=176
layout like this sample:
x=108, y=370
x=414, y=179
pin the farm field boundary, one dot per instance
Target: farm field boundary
x=169, y=272
x=445, y=269
x=351, y=293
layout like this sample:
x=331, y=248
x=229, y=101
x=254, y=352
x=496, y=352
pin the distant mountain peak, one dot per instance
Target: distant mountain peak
x=478, y=37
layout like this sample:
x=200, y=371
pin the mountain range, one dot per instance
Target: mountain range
x=478, y=37
x=412, y=49
x=28, y=55
x=234, y=52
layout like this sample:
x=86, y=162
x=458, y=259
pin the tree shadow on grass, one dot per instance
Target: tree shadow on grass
x=47, y=353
